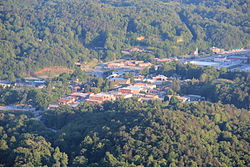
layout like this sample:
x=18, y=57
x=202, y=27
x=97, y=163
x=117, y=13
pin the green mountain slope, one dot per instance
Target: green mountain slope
x=128, y=133
x=39, y=33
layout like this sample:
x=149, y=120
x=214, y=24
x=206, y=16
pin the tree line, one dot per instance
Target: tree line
x=36, y=34
x=128, y=133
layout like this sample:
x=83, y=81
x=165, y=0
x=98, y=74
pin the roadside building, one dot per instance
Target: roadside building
x=160, y=78
x=41, y=86
x=53, y=106
x=80, y=95
x=194, y=97
x=5, y=84
x=65, y=101
x=120, y=81
x=100, y=98
x=121, y=95
x=75, y=88
x=203, y=63
x=162, y=60
x=136, y=50
x=144, y=85
x=139, y=78
x=131, y=90
x=217, y=50
x=140, y=38
x=157, y=91
x=144, y=64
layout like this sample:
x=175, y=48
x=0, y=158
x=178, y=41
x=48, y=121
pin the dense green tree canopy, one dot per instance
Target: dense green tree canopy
x=230, y=87
x=128, y=133
x=39, y=33
x=35, y=34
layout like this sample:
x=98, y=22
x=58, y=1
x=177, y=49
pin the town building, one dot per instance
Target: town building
x=121, y=81
x=139, y=78
x=144, y=64
x=121, y=95
x=75, y=88
x=163, y=60
x=80, y=95
x=53, y=106
x=144, y=85
x=217, y=50
x=160, y=78
x=100, y=98
x=5, y=84
x=66, y=101
x=131, y=90
x=194, y=97
x=140, y=38
x=149, y=97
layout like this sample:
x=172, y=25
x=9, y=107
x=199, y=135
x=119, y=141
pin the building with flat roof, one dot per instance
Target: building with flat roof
x=131, y=90
x=204, y=63
x=100, y=98
x=194, y=97
x=120, y=80
x=149, y=97
x=145, y=85
x=5, y=84
x=79, y=94
x=65, y=101
x=160, y=78
x=121, y=95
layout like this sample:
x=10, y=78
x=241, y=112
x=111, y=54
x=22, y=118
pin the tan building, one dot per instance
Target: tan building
x=5, y=84
x=140, y=38
x=144, y=64
x=217, y=50
x=145, y=85
x=100, y=98
x=130, y=90
x=162, y=60
x=122, y=95
x=64, y=101
x=120, y=80
x=160, y=78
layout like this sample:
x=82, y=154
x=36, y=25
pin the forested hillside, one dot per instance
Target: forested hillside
x=128, y=133
x=39, y=33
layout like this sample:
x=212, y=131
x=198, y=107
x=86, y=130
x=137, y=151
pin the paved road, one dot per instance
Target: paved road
x=15, y=108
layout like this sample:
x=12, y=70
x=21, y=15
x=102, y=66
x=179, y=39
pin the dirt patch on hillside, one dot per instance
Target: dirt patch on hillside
x=52, y=71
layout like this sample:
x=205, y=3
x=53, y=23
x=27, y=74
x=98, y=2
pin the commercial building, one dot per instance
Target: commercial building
x=121, y=81
x=131, y=90
x=100, y=98
x=144, y=85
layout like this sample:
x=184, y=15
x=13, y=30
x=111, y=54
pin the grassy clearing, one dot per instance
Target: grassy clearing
x=53, y=71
